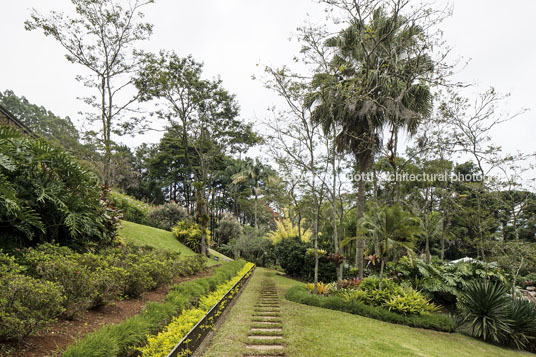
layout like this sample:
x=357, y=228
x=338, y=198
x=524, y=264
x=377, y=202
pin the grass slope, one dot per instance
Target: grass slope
x=313, y=331
x=139, y=234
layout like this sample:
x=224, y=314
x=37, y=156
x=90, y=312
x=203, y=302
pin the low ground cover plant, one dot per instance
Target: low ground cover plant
x=124, y=338
x=165, y=341
x=383, y=293
x=434, y=321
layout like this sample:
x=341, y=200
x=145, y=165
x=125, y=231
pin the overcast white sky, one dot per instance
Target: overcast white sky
x=232, y=36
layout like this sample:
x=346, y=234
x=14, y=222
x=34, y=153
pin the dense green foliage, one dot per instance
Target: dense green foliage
x=43, y=122
x=228, y=228
x=432, y=321
x=123, y=338
x=167, y=215
x=26, y=304
x=49, y=280
x=47, y=195
x=297, y=260
x=131, y=209
x=190, y=234
x=389, y=295
x=443, y=282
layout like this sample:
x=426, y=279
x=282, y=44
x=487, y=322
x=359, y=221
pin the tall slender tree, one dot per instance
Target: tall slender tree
x=101, y=36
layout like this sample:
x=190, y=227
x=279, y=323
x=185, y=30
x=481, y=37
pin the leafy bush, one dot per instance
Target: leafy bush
x=121, y=339
x=146, y=269
x=291, y=255
x=228, y=228
x=108, y=280
x=252, y=246
x=167, y=215
x=190, y=234
x=434, y=321
x=132, y=209
x=322, y=289
x=47, y=195
x=60, y=265
x=389, y=295
x=443, y=282
x=26, y=305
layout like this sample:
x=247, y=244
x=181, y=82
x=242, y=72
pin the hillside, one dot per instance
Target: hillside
x=139, y=234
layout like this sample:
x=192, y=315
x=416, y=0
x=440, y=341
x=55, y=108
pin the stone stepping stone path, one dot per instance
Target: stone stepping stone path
x=265, y=338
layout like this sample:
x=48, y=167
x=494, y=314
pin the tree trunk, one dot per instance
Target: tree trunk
x=360, y=246
x=444, y=233
x=382, y=266
x=427, y=249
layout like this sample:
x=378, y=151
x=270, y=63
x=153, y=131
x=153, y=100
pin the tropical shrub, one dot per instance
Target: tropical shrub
x=443, y=282
x=61, y=266
x=491, y=314
x=326, y=268
x=291, y=255
x=190, y=234
x=434, y=321
x=228, y=228
x=287, y=230
x=522, y=317
x=132, y=209
x=47, y=195
x=167, y=215
x=387, y=294
x=483, y=309
x=26, y=305
x=321, y=288
x=352, y=283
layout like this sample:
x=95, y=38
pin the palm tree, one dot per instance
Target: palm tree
x=394, y=227
x=373, y=84
x=254, y=173
x=431, y=227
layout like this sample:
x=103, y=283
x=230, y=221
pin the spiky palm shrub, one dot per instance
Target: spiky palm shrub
x=484, y=310
x=47, y=195
x=522, y=316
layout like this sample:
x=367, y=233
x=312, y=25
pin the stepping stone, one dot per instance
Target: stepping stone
x=265, y=347
x=278, y=321
x=269, y=309
x=266, y=337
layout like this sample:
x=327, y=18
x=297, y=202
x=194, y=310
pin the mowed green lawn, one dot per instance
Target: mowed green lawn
x=139, y=234
x=313, y=331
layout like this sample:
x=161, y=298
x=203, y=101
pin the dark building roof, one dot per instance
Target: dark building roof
x=16, y=122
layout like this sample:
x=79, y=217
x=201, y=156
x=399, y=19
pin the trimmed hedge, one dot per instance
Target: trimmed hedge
x=162, y=344
x=433, y=321
x=123, y=338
